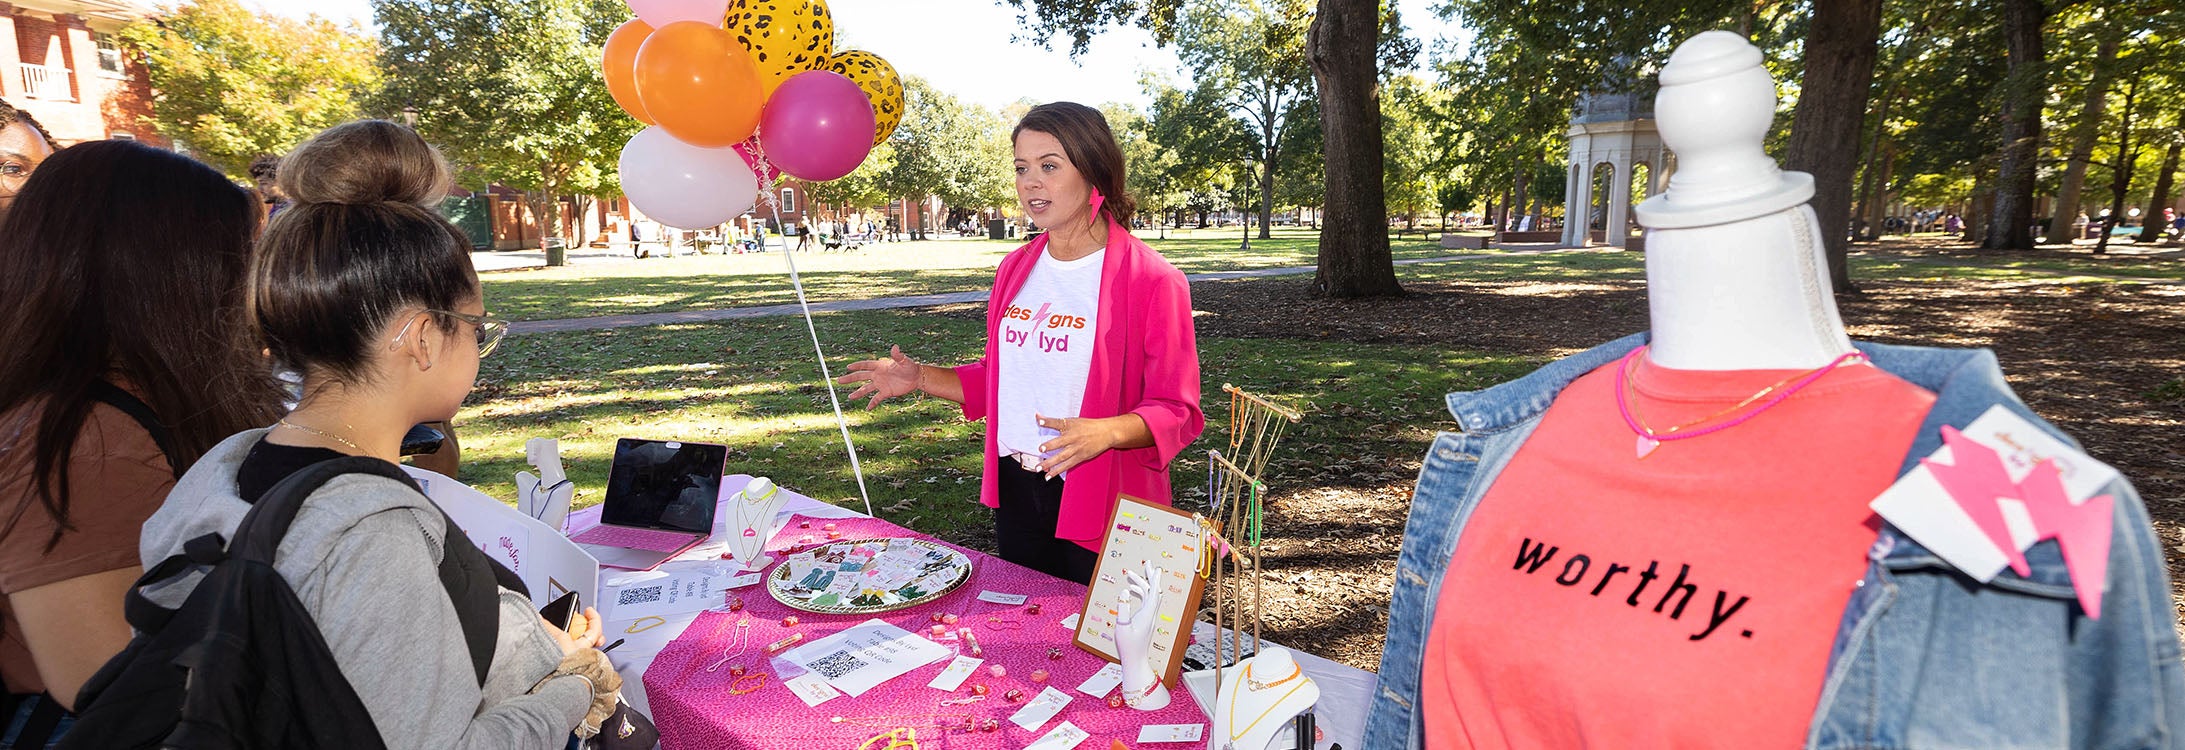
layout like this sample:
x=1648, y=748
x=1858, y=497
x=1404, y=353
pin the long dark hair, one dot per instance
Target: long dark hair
x=358, y=243
x=126, y=262
x=1091, y=147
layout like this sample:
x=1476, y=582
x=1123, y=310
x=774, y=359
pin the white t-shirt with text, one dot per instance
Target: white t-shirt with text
x=1046, y=348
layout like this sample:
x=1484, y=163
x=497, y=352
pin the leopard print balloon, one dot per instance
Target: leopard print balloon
x=784, y=37
x=880, y=83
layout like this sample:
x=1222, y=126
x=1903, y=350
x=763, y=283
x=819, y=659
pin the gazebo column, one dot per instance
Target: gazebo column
x=1619, y=202
x=1573, y=218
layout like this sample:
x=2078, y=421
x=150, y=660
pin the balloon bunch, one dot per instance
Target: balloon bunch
x=737, y=93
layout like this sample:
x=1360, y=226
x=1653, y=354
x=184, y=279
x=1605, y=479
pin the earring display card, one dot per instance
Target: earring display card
x=1139, y=533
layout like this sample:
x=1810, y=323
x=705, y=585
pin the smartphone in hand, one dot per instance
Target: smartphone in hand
x=562, y=612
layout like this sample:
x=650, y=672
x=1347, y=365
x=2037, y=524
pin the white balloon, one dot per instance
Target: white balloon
x=658, y=13
x=685, y=186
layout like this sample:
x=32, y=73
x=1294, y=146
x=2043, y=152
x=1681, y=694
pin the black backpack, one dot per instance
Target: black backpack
x=241, y=664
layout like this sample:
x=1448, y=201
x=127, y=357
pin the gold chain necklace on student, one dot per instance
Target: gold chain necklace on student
x=321, y=433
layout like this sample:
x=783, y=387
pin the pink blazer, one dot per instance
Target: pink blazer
x=1145, y=361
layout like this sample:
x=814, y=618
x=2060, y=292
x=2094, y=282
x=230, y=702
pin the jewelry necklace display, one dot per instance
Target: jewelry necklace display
x=1649, y=439
x=321, y=433
x=736, y=645
x=1257, y=685
x=1235, y=735
x=754, y=511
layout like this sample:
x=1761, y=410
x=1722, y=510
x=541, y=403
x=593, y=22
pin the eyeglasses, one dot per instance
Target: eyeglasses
x=490, y=331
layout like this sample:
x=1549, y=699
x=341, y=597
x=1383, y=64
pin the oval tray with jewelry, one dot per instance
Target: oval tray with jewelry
x=866, y=576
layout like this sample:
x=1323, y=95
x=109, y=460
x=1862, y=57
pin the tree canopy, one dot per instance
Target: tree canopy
x=234, y=84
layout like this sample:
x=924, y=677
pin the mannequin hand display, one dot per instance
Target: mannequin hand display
x=1142, y=687
x=883, y=378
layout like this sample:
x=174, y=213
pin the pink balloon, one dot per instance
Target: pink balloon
x=658, y=13
x=818, y=126
x=685, y=186
x=773, y=173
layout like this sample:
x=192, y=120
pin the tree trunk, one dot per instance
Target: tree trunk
x=1521, y=205
x=2127, y=154
x=2083, y=136
x=2151, y=226
x=1877, y=207
x=2010, y=222
x=1840, y=49
x=1354, y=254
x=549, y=214
x=1267, y=195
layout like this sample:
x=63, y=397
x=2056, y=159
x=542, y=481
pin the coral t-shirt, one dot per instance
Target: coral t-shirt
x=1685, y=599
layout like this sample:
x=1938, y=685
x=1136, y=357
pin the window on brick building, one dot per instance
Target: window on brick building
x=109, y=52
x=789, y=199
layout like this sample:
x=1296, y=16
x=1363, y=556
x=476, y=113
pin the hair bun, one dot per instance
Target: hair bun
x=366, y=162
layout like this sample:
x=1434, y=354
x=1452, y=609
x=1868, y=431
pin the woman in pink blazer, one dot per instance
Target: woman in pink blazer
x=1090, y=381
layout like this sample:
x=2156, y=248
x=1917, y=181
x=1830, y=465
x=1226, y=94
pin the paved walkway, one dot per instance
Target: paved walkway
x=922, y=300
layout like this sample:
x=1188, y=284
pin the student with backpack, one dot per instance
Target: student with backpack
x=125, y=264
x=371, y=295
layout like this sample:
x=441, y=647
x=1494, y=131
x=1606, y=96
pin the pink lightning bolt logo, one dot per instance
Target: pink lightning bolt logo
x=1976, y=479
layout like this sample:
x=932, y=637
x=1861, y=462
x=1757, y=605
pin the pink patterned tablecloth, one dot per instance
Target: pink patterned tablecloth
x=694, y=709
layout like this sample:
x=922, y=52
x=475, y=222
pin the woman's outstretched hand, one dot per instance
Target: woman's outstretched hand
x=883, y=379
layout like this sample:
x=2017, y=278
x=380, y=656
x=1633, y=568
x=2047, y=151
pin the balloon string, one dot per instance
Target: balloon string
x=768, y=195
x=825, y=375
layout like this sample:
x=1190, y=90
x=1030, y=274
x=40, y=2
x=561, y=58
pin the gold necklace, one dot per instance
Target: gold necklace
x=1631, y=386
x=1233, y=733
x=321, y=433
x=1257, y=685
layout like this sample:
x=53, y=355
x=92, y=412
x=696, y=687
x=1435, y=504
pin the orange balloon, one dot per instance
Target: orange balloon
x=620, y=64
x=698, y=84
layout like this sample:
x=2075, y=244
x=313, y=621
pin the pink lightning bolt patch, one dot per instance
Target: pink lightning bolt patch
x=1976, y=479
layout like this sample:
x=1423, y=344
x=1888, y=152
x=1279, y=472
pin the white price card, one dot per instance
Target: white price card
x=953, y=677
x=1071, y=621
x=746, y=579
x=1171, y=733
x=1044, y=707
x=1001, y=598
x=811, y=689
x=1065, y=736
x=1103, y=681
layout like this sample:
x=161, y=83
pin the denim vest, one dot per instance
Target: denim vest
x=1924, y=657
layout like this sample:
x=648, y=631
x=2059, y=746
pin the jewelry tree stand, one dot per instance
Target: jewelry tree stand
x=1235, y=500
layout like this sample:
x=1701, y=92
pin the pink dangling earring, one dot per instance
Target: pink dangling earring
x=1097, y=199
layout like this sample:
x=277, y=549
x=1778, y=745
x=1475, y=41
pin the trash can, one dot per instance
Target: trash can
x=557, y=251
x=997, y=229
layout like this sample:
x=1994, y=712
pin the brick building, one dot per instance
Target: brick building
x=68, y=69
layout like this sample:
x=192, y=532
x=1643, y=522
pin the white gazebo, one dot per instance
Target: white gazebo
x=1611, y=135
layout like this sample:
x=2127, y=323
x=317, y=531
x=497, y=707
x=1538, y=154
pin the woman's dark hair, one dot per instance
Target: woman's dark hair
x=9, y=115
x=1091, y=147
x=359, y=242
x=126, y=262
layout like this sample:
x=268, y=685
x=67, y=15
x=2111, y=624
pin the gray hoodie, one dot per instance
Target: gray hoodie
x=363, y=555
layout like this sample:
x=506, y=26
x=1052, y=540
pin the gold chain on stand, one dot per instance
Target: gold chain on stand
x=1232, y=534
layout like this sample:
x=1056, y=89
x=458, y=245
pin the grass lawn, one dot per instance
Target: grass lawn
x=705, y=282
x=753, y=386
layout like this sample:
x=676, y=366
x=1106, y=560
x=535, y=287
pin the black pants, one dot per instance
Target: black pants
x=1024, y=526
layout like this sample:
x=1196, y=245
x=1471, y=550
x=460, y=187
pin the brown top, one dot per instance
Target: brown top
x=117, y=478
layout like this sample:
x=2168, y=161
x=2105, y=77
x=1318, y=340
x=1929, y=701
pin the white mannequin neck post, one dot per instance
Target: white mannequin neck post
x=1736, y=270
